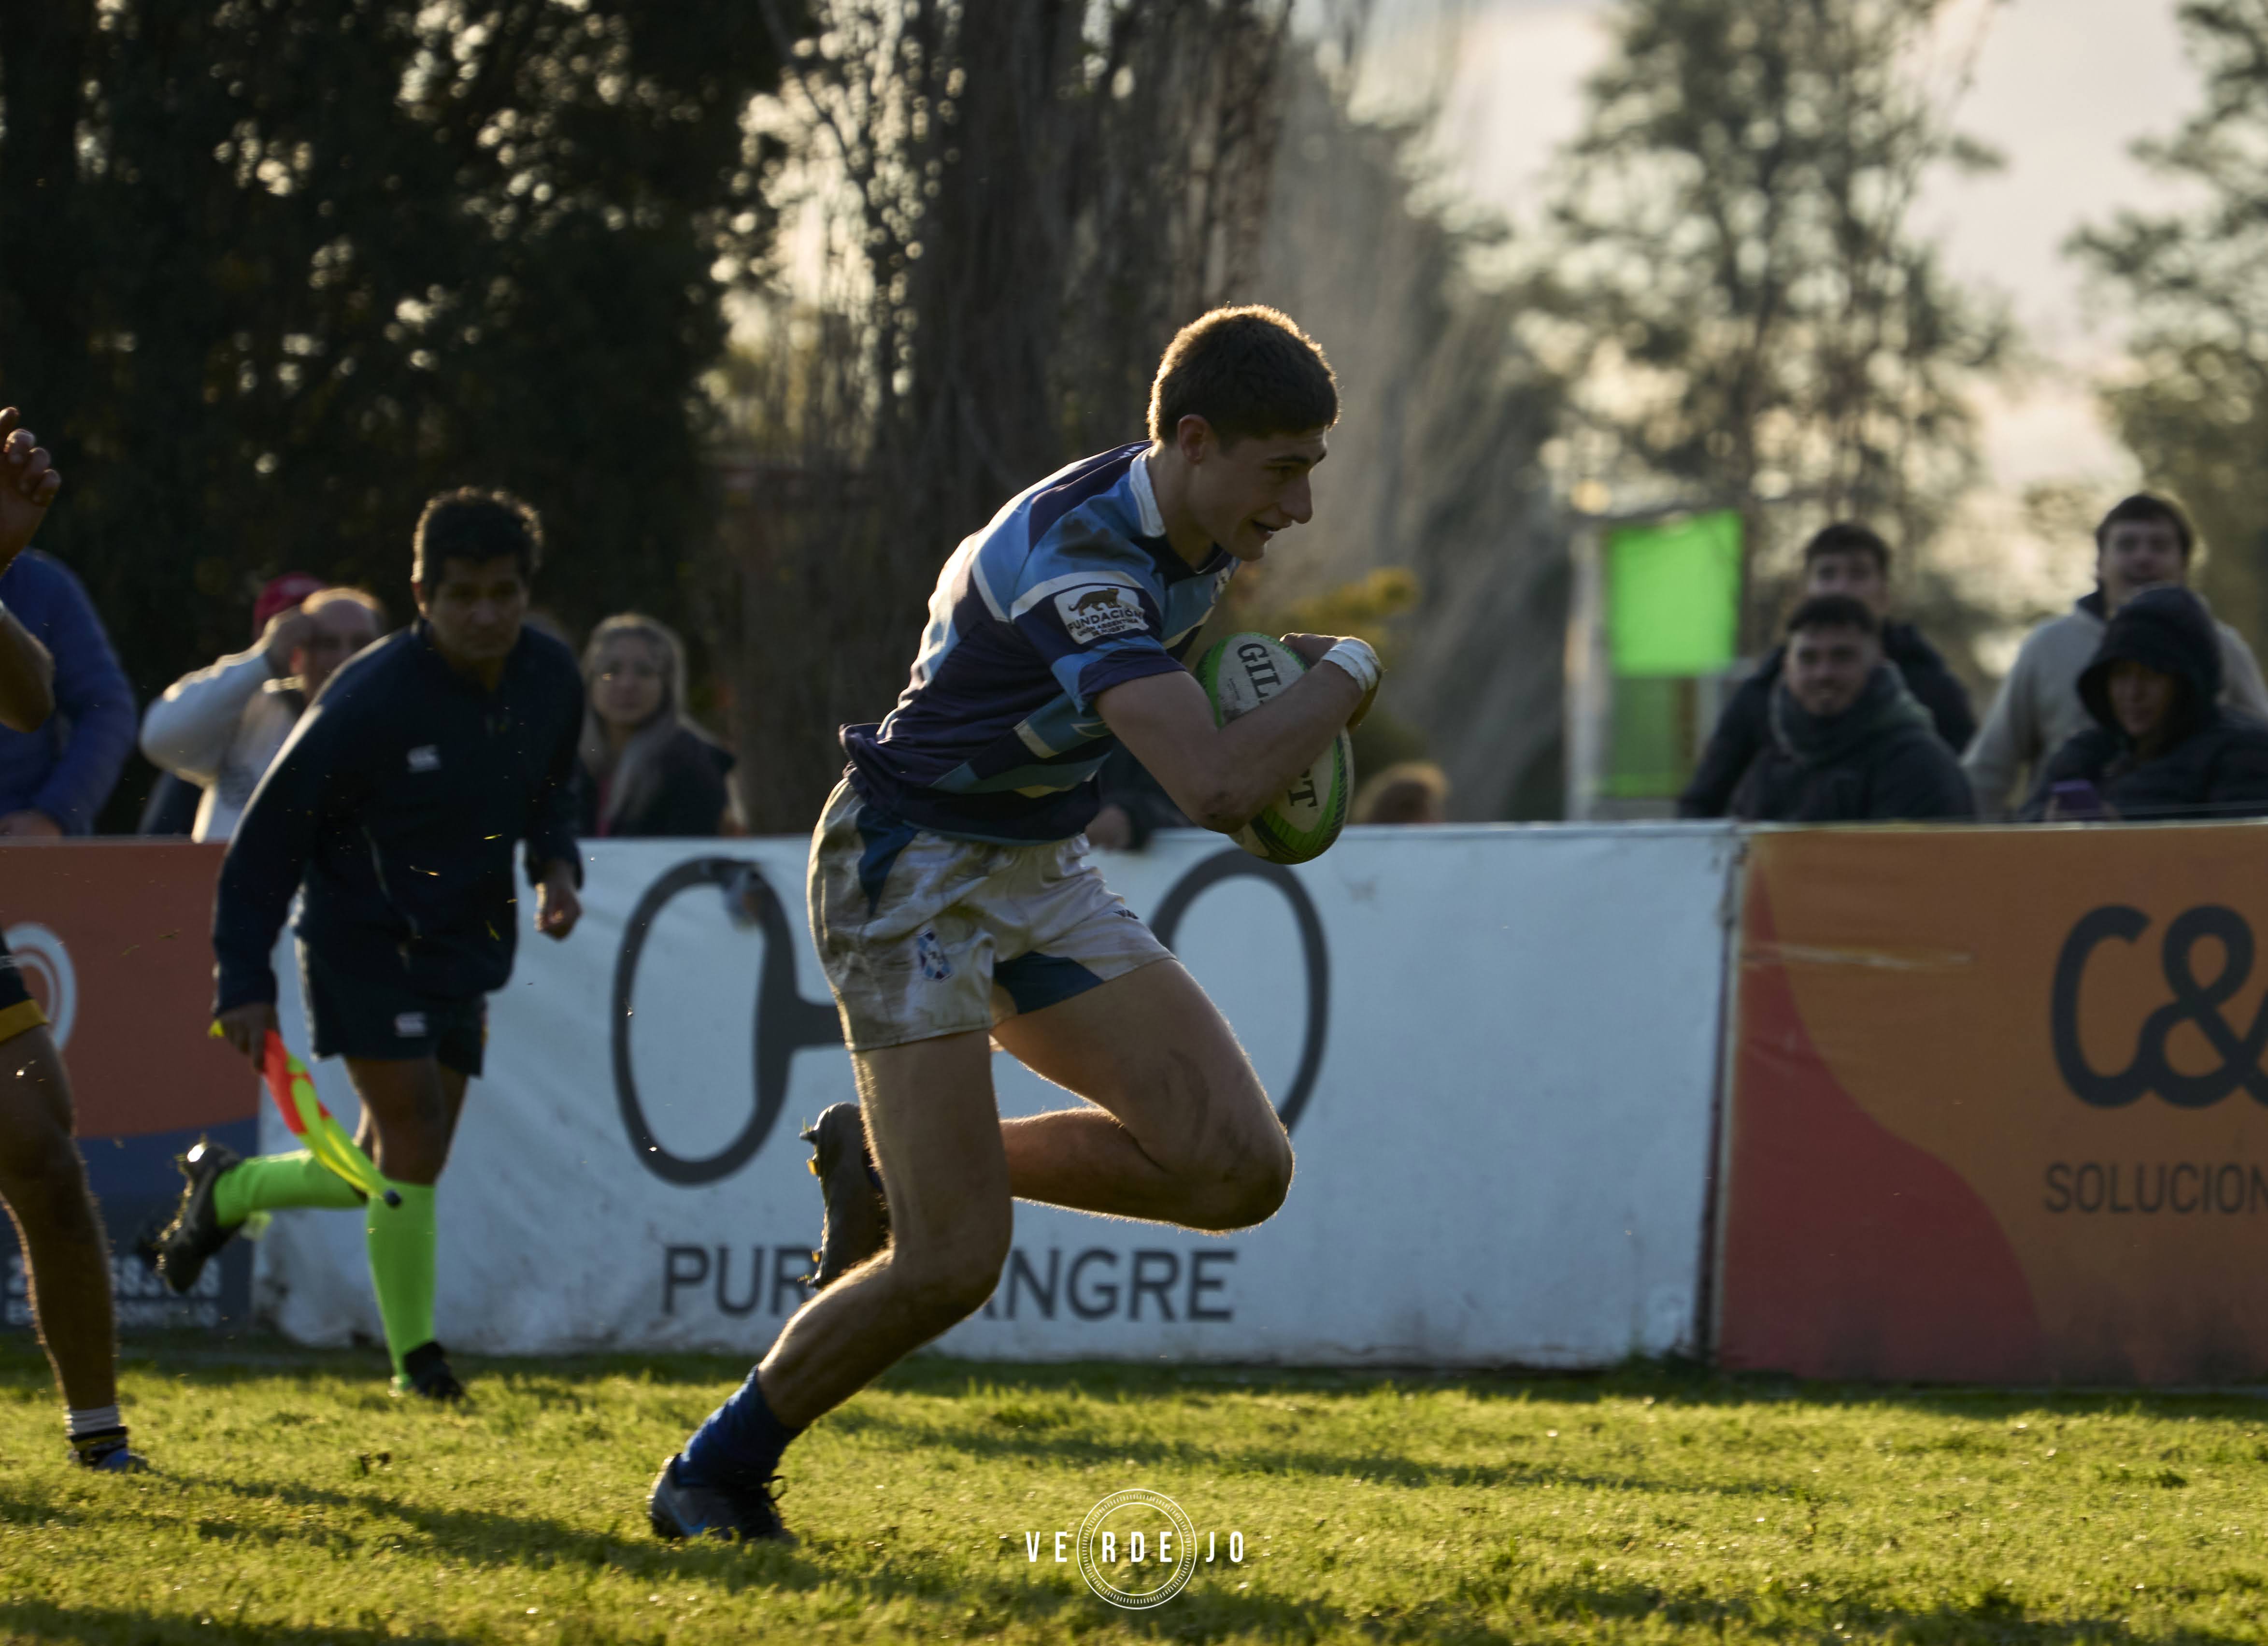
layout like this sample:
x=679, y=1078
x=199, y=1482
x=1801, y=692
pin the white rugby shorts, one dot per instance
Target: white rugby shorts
x=922, y=935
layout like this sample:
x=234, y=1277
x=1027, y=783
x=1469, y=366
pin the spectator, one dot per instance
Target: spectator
x=2162, y=745
x=222, y=726
x=1407, y=791
x=647, y=769
x=1849, y=743
x=54, y=780
x=1844, y=558
x=2143, y=542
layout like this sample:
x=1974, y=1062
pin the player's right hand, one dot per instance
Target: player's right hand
x=245, y=1028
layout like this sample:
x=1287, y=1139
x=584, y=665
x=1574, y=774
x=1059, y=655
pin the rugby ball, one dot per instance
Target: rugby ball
x=1239, y=674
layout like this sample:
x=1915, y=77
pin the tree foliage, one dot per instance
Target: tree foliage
x=272, y=273
x=1733, y=275
x=2194, y=407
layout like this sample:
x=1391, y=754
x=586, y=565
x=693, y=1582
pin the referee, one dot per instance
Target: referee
x=392, y=811
x=42, y=1180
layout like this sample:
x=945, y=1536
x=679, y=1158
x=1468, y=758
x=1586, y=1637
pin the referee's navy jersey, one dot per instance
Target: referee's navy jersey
x=1070, y=589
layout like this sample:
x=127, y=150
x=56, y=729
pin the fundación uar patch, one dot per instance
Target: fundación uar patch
x=1100, y=612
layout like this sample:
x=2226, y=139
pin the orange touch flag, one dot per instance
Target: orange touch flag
x=293, y=1089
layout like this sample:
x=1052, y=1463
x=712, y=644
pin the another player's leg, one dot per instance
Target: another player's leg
x=1183, y=1132
x=410, y=1105
x=930, y=1112
x=66, y=1257
x=224, y=1190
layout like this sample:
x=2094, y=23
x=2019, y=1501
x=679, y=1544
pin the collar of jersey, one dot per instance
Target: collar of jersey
x=1151, y=519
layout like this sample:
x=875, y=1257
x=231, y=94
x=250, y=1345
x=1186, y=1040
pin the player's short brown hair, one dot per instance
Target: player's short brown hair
x=1246, y=370
x=475, y=526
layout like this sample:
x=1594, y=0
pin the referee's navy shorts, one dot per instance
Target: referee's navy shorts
x=351, y=1017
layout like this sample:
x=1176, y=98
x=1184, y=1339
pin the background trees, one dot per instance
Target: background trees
x=271, y=275
x=2194, y=405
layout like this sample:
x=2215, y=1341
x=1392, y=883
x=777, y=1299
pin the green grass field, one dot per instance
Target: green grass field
x=299, y=1503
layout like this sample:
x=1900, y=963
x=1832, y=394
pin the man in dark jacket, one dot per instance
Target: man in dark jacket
x=1848, y=743
x=1844, y=558
x=393, y=810
x=2162, y=745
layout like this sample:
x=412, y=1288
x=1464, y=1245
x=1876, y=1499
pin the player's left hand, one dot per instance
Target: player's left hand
x=28, y=483
x=557, y=906
x=1310, y=647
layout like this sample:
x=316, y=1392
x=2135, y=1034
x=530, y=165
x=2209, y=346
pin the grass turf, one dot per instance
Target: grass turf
x=297, y=1503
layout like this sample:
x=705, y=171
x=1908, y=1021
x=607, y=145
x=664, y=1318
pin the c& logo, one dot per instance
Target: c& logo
x=2195, y=1003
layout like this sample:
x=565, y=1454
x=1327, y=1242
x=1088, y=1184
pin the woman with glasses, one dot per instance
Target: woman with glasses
x=647, y=769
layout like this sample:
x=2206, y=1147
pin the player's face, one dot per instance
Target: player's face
x=628, y=687
x=1828, y=668
x=1244, y=494
x=1854, y=573
x=476, y=609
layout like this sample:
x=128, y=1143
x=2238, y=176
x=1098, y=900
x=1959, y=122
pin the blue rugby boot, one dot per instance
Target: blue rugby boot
x=677, y=1508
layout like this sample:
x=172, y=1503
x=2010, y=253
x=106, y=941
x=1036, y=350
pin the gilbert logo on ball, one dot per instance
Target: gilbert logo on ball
x=1241, y=674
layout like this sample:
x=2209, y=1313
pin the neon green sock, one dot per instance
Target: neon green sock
x=401, y=1241
x=269, y=1183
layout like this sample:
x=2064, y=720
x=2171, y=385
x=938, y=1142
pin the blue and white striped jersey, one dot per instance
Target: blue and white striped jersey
x=1070, y=589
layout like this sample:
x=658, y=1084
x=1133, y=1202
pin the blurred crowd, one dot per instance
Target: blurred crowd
x=647, y=768
x=2134, y=704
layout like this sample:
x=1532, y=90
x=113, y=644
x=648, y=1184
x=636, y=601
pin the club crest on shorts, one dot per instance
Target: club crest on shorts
x=409, y=1025
x=935, y=966
x=1100, y=612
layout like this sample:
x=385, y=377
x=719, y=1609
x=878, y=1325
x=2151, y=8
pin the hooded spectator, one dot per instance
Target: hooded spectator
x=54, y=780
x=2143, y=542
x=1848, y=741
x=647, y=769
x=221, y=727
x=1844, y=558
x=2161, y=744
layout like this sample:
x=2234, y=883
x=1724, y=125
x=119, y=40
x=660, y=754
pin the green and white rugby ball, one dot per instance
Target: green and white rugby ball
x=1239, y=674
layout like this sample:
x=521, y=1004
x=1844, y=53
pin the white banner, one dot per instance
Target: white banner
x=1496, y=1049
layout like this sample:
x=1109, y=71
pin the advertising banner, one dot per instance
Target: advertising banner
x=112, y=938
x=1494, y=1048
x=1998, y=1106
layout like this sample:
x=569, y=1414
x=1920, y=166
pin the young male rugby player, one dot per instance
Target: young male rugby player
x=952, y=904
x=397, y=804
x=42, y=1179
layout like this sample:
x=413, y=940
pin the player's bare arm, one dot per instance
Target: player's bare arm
x=28, y=484
x=1222, y=776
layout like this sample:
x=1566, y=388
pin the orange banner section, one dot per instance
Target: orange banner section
x=1999, y=1110
x=115, y=941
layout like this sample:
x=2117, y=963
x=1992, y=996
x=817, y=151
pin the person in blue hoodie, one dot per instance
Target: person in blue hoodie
x=54, y=780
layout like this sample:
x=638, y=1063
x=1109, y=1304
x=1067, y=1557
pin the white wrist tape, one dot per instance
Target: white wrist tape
x=1357, y=658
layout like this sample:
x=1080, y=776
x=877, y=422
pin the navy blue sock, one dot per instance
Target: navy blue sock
x=739, y=1445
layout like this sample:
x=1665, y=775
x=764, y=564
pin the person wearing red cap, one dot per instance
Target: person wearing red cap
x=220, y=727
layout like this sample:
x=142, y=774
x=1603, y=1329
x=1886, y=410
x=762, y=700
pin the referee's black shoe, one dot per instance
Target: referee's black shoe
x=858, y=1222
x=425, y=1375
x=677, y=1508
x=195, y=1233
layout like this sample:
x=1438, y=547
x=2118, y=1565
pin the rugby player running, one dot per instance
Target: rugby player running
x=42, y=1179
x=952, y=904
x=397, y=804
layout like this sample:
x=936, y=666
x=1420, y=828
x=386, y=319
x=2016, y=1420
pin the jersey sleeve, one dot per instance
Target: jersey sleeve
x=1094, y=612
